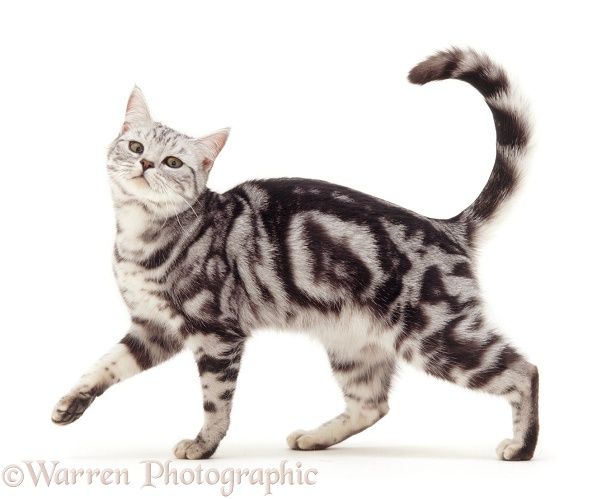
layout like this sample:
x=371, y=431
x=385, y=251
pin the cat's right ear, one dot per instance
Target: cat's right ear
x=137, y=113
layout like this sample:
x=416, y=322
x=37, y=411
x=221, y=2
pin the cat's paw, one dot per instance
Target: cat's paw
x=72, y=406
x=512, y=450
x=305, y=440
x=194, y=449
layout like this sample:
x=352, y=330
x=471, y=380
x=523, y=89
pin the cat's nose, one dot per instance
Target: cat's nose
x=145, y=164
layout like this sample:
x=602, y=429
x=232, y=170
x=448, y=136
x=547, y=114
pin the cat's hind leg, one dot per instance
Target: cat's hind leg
x=466, y=352
x=519, y=384
x=365, y=379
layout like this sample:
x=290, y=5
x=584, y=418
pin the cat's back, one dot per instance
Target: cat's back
x=291, y=205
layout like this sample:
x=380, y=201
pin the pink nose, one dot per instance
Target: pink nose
x=145, y=164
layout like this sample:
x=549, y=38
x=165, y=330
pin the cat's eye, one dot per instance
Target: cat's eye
x=135, y=146
x=173, y=162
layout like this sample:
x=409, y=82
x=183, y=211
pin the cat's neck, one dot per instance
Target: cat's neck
x=134, y=220
x=139, y=226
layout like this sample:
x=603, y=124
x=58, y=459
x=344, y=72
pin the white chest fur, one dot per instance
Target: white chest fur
x=143, y=289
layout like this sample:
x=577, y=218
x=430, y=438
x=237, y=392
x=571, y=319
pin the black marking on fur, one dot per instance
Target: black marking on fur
x=226, y=395
x=333, y=262
x=228, y=375
x=343, y=366
x=433, y=289
x=506, y=357
x=462, y=269
x=511, y=128
x=208, y=364
x=209, y=406
x=159, y=257
x=414, y=321
x=138, y=350
x=488, y=86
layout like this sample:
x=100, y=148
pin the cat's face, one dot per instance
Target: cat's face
x=160, y=167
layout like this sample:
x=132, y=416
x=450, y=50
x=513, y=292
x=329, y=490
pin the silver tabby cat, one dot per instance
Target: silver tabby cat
x=374, y=282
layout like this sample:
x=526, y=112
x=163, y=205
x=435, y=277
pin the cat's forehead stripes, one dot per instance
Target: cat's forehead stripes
x=164, y=136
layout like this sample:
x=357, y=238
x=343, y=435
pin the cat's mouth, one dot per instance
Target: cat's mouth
x=138, y=178
x=141, y=181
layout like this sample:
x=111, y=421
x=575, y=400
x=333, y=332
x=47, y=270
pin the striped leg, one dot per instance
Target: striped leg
x=218, y=362
x=365, y=382
x=518, y=381
x=146, y=345
x=477, y=357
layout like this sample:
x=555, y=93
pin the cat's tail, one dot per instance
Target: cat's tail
x=510, y=118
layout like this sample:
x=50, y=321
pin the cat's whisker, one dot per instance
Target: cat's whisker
x=122, y=174
x=165, y=192
x=182, y=197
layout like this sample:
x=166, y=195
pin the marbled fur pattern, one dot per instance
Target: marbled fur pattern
x=374, y=282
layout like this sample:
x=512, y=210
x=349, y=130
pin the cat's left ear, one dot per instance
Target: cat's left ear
x=137, y=113
x=211, y=145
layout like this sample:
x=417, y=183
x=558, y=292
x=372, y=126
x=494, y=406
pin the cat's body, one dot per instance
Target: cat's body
x=374, y=282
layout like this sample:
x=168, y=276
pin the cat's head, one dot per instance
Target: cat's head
x=162, y=168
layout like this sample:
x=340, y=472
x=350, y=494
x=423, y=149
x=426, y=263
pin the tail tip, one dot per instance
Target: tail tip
x=439, y=66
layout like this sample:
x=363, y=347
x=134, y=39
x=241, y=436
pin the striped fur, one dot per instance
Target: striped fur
x=510, y=118
x=374, y=282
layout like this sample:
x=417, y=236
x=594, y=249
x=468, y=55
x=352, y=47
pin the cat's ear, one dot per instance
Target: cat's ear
x=211, y=145
x=137, y=113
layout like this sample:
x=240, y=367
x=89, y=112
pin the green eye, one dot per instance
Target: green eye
x=173, y=162
x=135, y=146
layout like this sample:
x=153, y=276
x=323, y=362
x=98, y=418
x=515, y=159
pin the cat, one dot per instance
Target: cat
x=374, y=282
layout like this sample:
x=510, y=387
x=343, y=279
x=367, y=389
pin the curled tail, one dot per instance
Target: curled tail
x=512, y=124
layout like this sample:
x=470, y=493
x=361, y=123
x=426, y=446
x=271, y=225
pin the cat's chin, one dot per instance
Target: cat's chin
x=136, y=187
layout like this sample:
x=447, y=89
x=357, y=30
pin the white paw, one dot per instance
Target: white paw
x=510, y=450
x=71, y=407
x=306, y=440
x=193, y=449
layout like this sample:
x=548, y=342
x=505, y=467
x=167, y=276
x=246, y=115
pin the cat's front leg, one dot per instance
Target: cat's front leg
x=218, y=359
x=145, y=345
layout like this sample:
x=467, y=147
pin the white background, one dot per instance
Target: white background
x=312, y=89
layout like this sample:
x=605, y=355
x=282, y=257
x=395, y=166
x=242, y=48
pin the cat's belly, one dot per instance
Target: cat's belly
x=348, y=332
